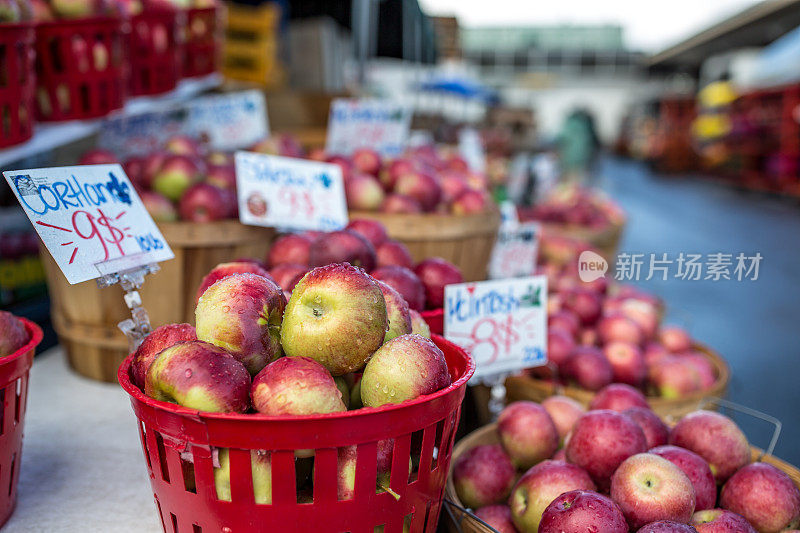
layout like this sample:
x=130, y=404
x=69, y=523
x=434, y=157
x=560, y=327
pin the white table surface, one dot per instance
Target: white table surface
x=82, y=462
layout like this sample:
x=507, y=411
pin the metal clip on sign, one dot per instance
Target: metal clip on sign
x=137, y=327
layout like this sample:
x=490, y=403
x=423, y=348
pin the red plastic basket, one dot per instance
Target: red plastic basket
x=156, y=51
x=179, y=446
x=14, y=393
x=17, y=83
x=81, y=68
x=203, y=38
x=435, y=320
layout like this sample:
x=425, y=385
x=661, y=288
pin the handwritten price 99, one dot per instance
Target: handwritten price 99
x=297, y=202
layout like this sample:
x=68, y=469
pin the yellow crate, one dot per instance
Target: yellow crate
x=251, y=44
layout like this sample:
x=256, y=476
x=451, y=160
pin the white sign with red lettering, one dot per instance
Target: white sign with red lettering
x=381, y=125
x=515, y=251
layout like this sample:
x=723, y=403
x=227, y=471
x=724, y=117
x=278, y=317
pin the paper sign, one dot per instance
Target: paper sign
x=288, y=193
x=515, y=251
x=471, y=149
x=227, y=121
x=90, y=219
x=381, y=125
x=502, y=324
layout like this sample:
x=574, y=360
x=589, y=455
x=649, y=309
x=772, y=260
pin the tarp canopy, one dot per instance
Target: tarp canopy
x=779, y=63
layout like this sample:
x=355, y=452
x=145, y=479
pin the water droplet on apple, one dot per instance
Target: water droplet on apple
x=188, y=373
x=226, y=309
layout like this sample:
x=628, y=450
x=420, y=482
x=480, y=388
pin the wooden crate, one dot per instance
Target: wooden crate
x=86, y=317
x=251, y=51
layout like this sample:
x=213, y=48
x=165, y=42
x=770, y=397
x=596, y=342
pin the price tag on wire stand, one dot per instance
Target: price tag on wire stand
x=515, y=251
x=382, y=125
x=288, y=193
x=90, y=219
x=501, y=323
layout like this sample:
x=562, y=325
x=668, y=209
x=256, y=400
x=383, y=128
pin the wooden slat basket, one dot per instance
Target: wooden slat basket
x=606, y=241
x=85, y=317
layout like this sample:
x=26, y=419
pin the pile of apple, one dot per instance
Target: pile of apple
x=13, y=335
x=48, y=10
x=619, y=468
x=184, y=180
x=576, y=206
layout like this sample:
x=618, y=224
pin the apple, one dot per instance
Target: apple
x=72, y=9
x=404, y=368
x=98, y=156
x=564, y=411
x=470, y=202
x=418, y=324
x=701, y=363
x=337, y=316
x=560, y=344
x=287, y=275
x=498, y=517
x=363, y=193
x=584, y=303
x=134, y=169
x=12, y=334
x=184, y=145
x=372, y=230
x=714, y=437
x=765, y=496
x=696, y=469
x=453, y=184
x=223, y=270
x=483, y=475
x=41, y=11
x=344, y=390
x=10, y=12
x=405, y=282
x=218, y=158
x=366, y=160
x=295, y=386
x=222, y=176
x=588, y=368
x=435, y=273
x=720, y=521
x=666, y=526
x=397, y=312
x=654, y=352
x=199, y=375
x=176, y=174
x=151, y=165
x=674, y=339
x=527, y=433
x=627, y=363
x=291, y=248
x=648, y=488
x=618, y=397
x=674, y=377
x=560, y=455
x=203, y=202
x=581, y=511
x=392, y=252
x=242, y=314
x=342, y=246
x=399, y=204
x=588, y=337
x=601, y=440
x=618, y=327
x=343, y=163
x=100, y=54
x=655, y=430
x=644, y=314
x=539, y=486
x=396, y=168
x=261, y=468
x=157, y=340
x=420, y=186
x=566, y=320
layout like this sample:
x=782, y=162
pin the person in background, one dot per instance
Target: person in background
x=579, y=146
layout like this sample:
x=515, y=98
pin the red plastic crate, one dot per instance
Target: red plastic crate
x=435, y=320
x=203, y=39
x=156, y=51
x=17, y=83
x=81, y=68
x=14, y=371
x=180, y=446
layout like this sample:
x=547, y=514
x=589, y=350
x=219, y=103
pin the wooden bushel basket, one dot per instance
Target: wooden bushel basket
x=464, y=240
x=86, y=317
x=605, y=241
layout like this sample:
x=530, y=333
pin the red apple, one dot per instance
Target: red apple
x=394, y=170
x=223, y=270
x=588, y=368
x=696, y=469
x=295, y=386
x=218, y=158
x=470, y=202
x=342, y=246
x=648, y=488
x=222, y=176
x=396, y=311
x=703, y=366
x=560, y=455
x=601, y=441
x=674, y=339
x=366, y=160
x=654, y=352
x=405, y=282
x=203, y=202
x=286, y=275
x=655, y=430
x=618, y=327
x=363, y=193
x=242, y=313
x=291, y=248
x=343, y=163
x=720, y=521
x=393, y=252
x=176, y=174
x=627, y=363
x=588, y=337
x=498, y=517
x=580, y=511
x=372, y=230
x=199, y=375
x=418, y=324
x=584, y=303
x=666, y=526
x=674, y=377
x=400, y=203
x=98, y=156
x=714, y=437
x=159, y=339
x=564, y=411
x=152, y=164
x=643, y=313
x=435, y=273
x=765, y=496
x=452, y=184
x=527, y=433
x=184, y=145
x=566, y=320
x=618, y=397
x=483, y=476
x=12, y=334
x=420, y=186
x=158, y=206
x=134, y=169
x=560, y=345
x=539, y=486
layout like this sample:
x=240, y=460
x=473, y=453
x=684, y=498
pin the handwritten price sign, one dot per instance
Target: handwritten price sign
x=515, y=251
x=502, y=324
x=381, y=125
x=89, y=218
x=288, y=193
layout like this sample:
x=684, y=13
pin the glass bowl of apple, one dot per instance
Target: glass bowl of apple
x=321, y=412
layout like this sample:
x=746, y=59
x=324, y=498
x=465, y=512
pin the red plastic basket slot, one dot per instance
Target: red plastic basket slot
x=156, y=51
x=17, y=83
x=81, y=68
x=14, y=371
x=180, y=444
x=435, y=320
x=203, y=38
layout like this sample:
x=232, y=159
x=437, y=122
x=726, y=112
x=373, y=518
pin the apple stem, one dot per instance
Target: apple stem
x=390, y=491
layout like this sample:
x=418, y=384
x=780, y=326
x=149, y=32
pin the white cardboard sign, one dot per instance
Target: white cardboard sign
x=288, y=193
x=502, y=323
x=90, y=219
x=382, y=125
x=515, y=251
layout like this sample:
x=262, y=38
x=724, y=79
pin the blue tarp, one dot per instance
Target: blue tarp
x=461, y=87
